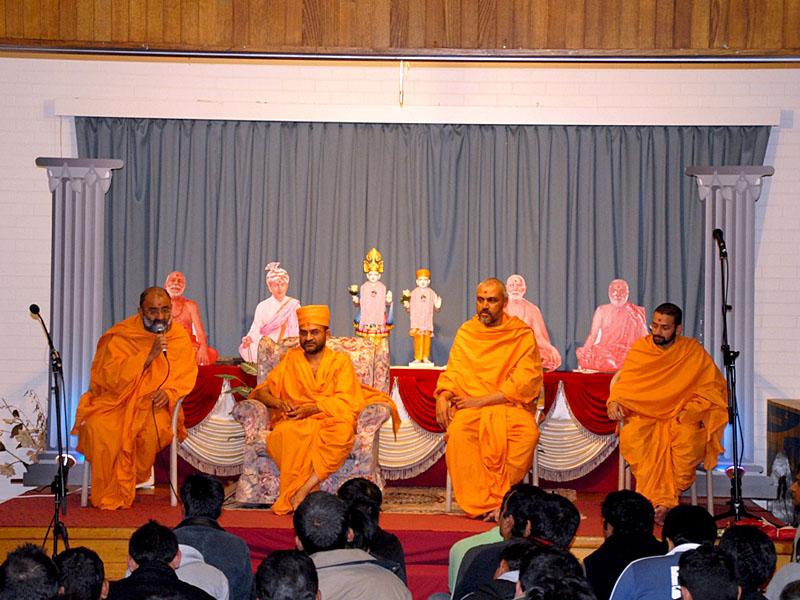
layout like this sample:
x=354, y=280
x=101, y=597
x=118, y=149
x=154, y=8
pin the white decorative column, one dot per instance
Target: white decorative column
x=730, y=193
x=78, y=186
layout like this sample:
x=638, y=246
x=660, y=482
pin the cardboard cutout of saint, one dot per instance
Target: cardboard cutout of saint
x=187, y=313
x=528, y=312
x=374, y=316
x=421, y=303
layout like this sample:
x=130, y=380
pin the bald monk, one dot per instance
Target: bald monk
x=315, y=398
x=142, y=366
x=484, y=400
x=186, y=313
x=673, y=401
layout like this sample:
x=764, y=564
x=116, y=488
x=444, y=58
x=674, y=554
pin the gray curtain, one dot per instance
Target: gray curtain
x=567, y=207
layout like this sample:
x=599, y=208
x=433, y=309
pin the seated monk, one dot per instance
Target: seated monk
x=142, y=366
x=530, y=314
x=484, y=399
x=615, y=327
x=314, y=398
x=673, y=401
x=187, y=313
x=275, y=317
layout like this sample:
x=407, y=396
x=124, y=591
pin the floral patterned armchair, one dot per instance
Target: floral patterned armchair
x=260, y=479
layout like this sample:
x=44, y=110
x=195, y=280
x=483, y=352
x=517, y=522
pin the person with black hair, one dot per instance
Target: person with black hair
x=322, y=531
x=555, y=521
x=82, y=575
x=202, y=497
x=571, y=587
x=790, y=592
x=286, y=575
x=707, y=573
x=28, y=574
x=754, y=558
x=517, y=512
x=384, y=545
x=546, y=561
x=685, y=528
x=153, y=556
x=504, y=584
x=628, y=519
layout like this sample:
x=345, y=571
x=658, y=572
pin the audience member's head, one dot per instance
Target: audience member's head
x=360, y=488
x=517, y=510
x=706, y=573
x=511, y=557
x=554, y=520
x=539, y=561
x=202, y=496
x=153, y=543
x=82, y=575
x=286, y=575
x=689, y=524
x=753, y=556
x=626, y=512
x=320, y=523
x=28, y=574
x=362, y=519
x=791, y=591
x=571, y=587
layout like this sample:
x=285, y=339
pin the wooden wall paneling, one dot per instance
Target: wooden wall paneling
x=399, y=24
x=700, y=37
x=51, y=20
x=3, y=30
x=646, y=28
x=469, y=23
x=137, y=22
x=737, y=26
x=629, y=26
x=610, y=22
x=120, y=14
x=522, y=23
x=381, y=32
x=293, y=36
x=593, y=17
x=84, y=20
x=537, y=35
x=102, y=20
x=682, y=29
x=222, y=11
x=792, y=24
x=346, y=25
x=453, y=10
x=241, y=17
x=487, y=24
x=258, y=35
x=32, y=19
x=172, y=22
x=310, y=26
x=719, y=24
x=504, y=29
x=770, y=23
x=574, y=25
x=434, y=24
x=190, y=25
x=665, y=24
x=275, y=23
x=14, y=19
x=361, y=24
x=556, y=24
x=154, y=15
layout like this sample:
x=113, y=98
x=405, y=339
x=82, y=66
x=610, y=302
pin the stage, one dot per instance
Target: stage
x=415, y=515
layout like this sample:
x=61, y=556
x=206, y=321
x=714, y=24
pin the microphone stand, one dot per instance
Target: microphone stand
x=59, y=484
x=736, y=506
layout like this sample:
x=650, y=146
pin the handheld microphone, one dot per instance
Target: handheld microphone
x=158, y=329
x=717, y=235
x=34, y=308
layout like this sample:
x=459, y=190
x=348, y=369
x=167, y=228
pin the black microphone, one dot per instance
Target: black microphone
x=34, y=308
x=717, y=235
x=159, y=328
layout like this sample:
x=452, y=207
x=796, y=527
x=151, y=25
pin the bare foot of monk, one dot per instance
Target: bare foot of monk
x=300, y=495
x=661, y=513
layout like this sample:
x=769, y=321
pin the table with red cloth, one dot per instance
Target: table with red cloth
x=580, y=424
x=202, y=399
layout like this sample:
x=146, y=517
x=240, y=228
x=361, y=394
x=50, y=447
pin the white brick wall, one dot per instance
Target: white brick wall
x=34, y=89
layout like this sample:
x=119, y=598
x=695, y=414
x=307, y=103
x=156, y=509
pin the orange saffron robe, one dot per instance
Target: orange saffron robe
x=490, y=448
x=321, y=442
x=118, y=430
x=655, y=385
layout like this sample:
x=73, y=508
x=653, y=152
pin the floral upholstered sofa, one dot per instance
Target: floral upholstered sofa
x=260, y=480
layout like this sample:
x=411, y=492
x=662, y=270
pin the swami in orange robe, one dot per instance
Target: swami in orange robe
x=675, y=412
x=490, y=447
x=316, y=444
x=119, y=428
